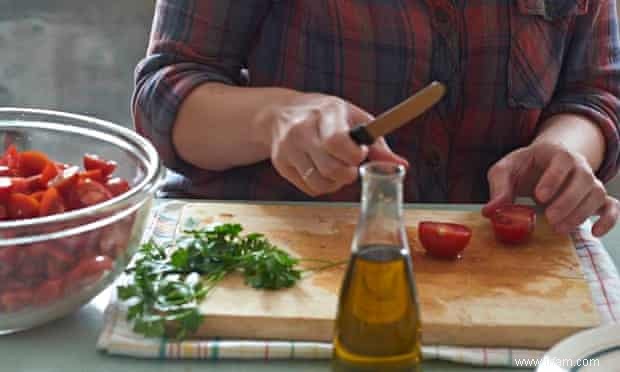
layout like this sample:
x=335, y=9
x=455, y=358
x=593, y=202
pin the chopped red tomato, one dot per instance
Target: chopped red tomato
x=65, y=181
x=94, y=162
x=89, y=267
x=33, y=185
x=443, y=240
x=514, y=224
x=22, y=206
x=117, y=186
x=51, y=202
x=10, y=157
x=21, y=185
x=6, y=187
x=4, y=212
x=49, y=173
x=15, y=299
x=32, y=163
x=94, y=174
x=88, y=192
x=38, y=195
x=49, y=291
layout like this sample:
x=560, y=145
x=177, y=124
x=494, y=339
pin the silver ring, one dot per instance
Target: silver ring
x=307, y=173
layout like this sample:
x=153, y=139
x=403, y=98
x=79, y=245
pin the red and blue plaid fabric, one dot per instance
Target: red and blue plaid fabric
x=508, y=64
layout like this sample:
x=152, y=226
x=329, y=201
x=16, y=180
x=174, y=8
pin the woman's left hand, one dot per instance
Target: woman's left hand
x=560, y=180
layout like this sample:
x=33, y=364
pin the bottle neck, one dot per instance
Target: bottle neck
x=381, y=218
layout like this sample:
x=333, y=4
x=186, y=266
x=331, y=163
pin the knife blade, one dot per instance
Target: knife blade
x=399, y=115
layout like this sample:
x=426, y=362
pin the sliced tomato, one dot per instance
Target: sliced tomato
x=92, y=162
x=49, y=173
x=88, y=192
x=4, y=212
x=48, y=291
x=22, y=206
x=35, y=183
x=21, y=185
x=65, y=181
x=514, y=224
x=94, y=174
x=5, y=171
x=51, y=202
x=15, y=299
x=6, y=187
x=90, y=267
x=443, y=240
x=58, y=262
x=38, y=195
x=117, y=186
x=8, y=260
x=10, y=157
x=32, y=163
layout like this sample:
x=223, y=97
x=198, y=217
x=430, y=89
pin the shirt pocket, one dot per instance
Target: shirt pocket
x=539, y=36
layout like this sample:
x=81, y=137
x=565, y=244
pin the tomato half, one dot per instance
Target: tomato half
x=514, y=224
x=94, y=162
x=22, y=206
x=443, y=240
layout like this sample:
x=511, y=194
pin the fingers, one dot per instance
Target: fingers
x=570, y=198
x=503, y=177
x=380, y=151
x=608, y=217
x=312, y=179
x=332, y=168
x=593, y=202
x=341, y=146
x=554, y=177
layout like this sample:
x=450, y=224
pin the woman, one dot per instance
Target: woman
x=253, y=99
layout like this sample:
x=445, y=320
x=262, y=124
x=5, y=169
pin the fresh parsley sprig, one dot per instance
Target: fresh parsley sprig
x=169, y=282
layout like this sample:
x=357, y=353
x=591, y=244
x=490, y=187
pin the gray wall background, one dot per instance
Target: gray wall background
x=72, y=55
x=77, y=55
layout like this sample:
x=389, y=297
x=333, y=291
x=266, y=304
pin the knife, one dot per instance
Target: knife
x=399, y=115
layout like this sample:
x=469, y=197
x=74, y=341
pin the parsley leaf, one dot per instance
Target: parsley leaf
x=169, y=282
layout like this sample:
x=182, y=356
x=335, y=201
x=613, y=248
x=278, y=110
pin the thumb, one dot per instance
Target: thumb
x=503, y=177
x=380, y=151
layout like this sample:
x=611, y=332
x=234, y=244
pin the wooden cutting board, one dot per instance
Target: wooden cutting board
x=526, y=296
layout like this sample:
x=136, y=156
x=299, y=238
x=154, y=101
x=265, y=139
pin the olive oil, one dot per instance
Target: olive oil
x=378, y=327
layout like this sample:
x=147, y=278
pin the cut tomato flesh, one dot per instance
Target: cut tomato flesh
x=443, y=240
x=514, y=224
x=22, y=206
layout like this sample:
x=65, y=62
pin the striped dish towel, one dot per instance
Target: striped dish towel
x=117, y=337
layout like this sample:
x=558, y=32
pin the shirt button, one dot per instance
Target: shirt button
x=442, y=16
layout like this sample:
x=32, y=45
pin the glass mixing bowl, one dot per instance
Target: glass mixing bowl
x=50, y=266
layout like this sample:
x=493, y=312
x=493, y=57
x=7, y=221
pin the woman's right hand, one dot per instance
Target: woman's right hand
x=311, y=147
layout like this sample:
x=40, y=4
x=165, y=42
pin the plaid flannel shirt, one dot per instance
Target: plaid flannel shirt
x=508, y=65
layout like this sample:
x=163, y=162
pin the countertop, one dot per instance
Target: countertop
x=68, y=345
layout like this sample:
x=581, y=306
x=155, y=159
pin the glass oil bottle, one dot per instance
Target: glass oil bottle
x=378, y=323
